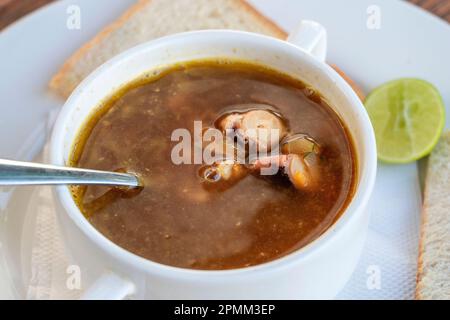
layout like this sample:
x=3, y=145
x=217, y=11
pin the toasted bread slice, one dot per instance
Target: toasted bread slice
x=433, y=275
x=150, y=19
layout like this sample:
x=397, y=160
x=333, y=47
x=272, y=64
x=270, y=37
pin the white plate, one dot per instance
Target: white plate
x=409, y=43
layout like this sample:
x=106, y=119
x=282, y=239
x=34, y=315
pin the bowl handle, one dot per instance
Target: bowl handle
x=109, y=286
x=311, y=37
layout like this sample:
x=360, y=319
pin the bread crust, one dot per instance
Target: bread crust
x=424, y=219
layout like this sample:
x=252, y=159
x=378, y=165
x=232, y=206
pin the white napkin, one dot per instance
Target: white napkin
x=49, y=259
x=388, y=265
x=386, y=270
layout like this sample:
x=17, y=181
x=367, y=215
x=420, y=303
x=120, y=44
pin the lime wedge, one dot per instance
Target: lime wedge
x=408, y=116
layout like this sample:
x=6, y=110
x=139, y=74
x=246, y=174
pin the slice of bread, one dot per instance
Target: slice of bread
x=150, y=19
x=433, y=276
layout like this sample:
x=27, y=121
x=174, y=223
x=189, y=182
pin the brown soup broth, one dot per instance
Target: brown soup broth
x=173, y=220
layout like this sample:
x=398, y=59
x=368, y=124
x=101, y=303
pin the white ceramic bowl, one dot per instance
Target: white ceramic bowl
x=318, y=270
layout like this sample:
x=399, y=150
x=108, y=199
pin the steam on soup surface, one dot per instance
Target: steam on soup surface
x=180, y=220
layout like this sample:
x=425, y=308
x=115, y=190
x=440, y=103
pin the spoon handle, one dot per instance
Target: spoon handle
x=15, y=173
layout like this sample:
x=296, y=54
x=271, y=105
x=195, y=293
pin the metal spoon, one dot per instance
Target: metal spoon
x=15, y=173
